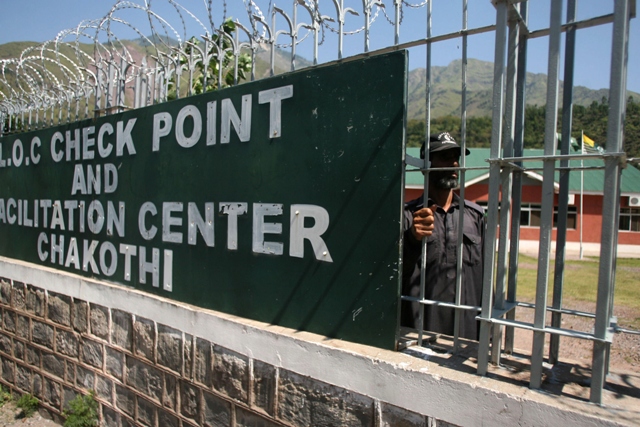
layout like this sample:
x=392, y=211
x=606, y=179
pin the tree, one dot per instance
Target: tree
x=213, y=65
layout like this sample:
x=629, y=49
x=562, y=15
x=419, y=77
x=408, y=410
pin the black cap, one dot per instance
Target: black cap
x=440, y=142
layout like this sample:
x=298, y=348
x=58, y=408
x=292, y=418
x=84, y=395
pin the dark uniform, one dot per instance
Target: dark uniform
x=440, y=283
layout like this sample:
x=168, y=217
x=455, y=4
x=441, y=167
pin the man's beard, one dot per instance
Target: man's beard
x=446, y=182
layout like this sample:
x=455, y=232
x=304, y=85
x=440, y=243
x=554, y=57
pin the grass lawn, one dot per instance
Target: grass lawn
x=581, y=283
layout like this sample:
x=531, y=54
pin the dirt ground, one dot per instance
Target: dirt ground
x=11, y=416
x=625, y=350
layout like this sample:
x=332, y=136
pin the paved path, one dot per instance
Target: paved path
x=530, y=248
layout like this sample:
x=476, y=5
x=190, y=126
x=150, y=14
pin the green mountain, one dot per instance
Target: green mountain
x=446, y=90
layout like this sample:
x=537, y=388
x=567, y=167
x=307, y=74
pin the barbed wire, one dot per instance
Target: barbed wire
x=93, y=61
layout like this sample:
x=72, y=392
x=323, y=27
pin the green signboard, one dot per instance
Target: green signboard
x=278, y=200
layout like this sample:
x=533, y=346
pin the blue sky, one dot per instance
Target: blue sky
x=41, y=20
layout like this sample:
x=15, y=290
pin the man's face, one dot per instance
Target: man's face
x=445, y=180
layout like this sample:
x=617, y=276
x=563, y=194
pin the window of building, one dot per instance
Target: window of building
x=530, y=214
x=629, y=219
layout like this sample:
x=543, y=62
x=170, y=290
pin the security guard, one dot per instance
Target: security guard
x=438, y=221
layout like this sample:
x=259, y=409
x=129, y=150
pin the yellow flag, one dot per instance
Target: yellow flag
x=587, y=141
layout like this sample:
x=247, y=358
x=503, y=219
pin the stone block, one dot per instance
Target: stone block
x=18, y=350
x=215, y=412
x=80, y=316
x=92, y=352
x=202, y=362
x=9, y=320
x=231, y=373
x=5, y=291
x=305, y=401
x=23, y=378
x=109, y=417
x=67, y=343
x=114, y=363
x=144, y=337
x=170, y=392
x=42, y=334
x=189, y=401
x=127, y=422
x=122, y=329
x=125, y=400
x=147, y=412
x=35, y=301
x=104, y=388
x=393, y=416
x=264, y=386
x=70, y=375
x=166, y=419
x=59, y=309
x=6, y=344
x=68, y=394
x=23, y=327
x=37, y=385
x=19, y=300
x=144, y=378
x=170, y=348
x=51, y=392
x=247, y=419
x=33, y=356
x=53, y=364
x=85, y=378
x=434, y=422
x=8, y=369
x=99, y=321
x=188, y=356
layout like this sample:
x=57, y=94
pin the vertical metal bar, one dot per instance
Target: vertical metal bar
x=563, y=195
x=109, y=94
x=611, y=202
x=518, y=150
x=367, y=5
x=136, y=89
x=462, y=175
x=191, y=67
x=613, y=269
x=505, y=202
x=340, y=28
x=423, y=262
x=294, y=38
x=222, y=53
x=494, y=185
x=398, y=6
x=546, y=214
x=273, y=35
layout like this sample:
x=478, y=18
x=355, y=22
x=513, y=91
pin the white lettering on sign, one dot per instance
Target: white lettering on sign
x=172, y=222
x=260, y=228
x=192, y=112
x=18, y=157
x=91, y=181
x=232, y=210
x=274, y=97
x=163, y=122
x=80, y=144
x=229, y=116
x=250, y=227
x=300, y=233
x=56, y=249
x=27, y=213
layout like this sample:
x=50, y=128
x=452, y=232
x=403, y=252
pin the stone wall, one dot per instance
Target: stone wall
x=155, y=362
x=147, y=373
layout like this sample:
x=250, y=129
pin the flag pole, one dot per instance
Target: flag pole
x=581, y=190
